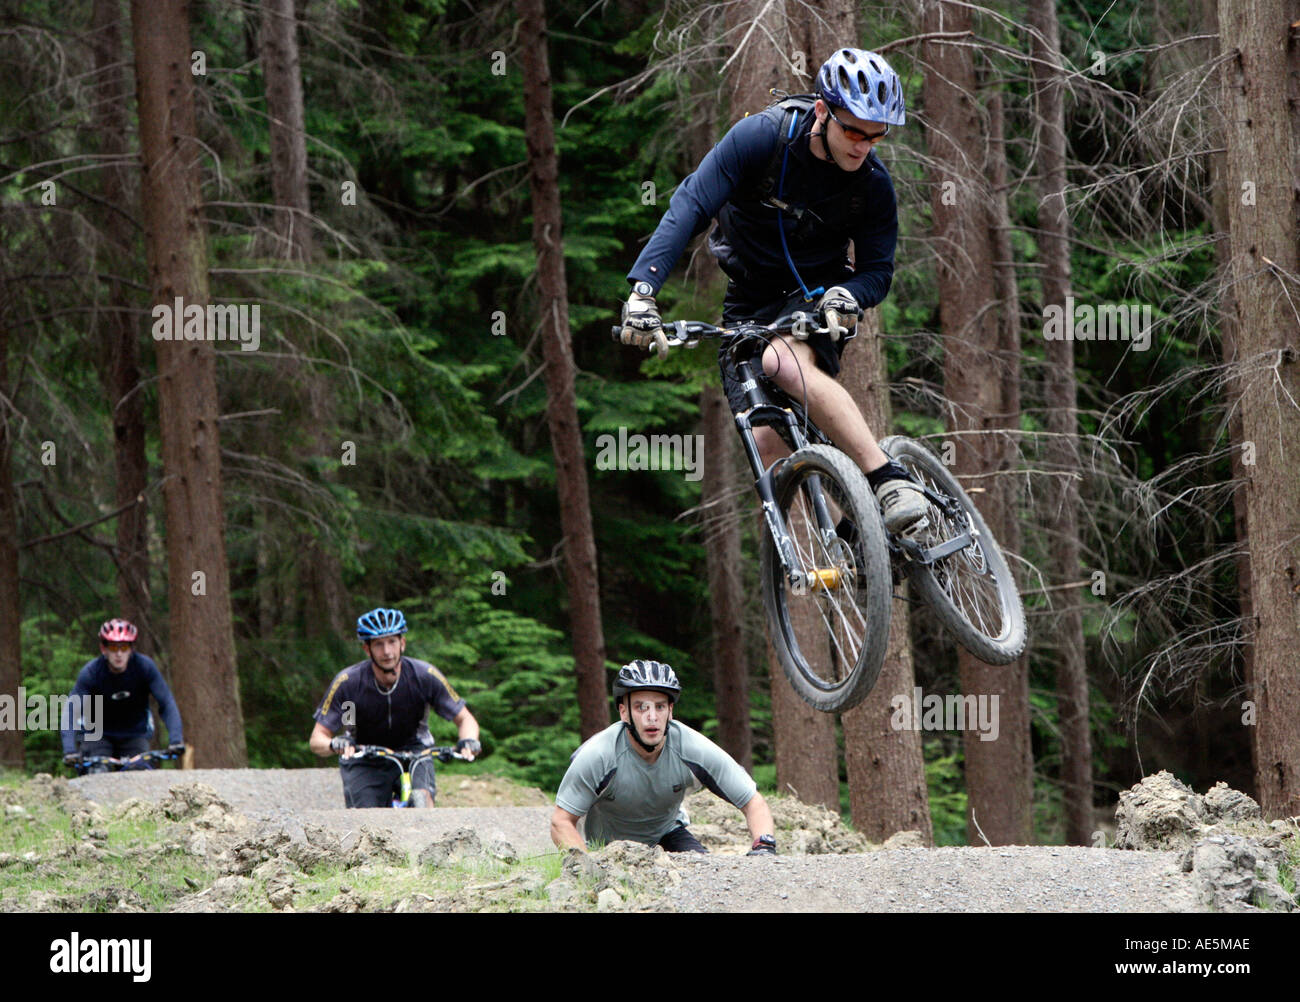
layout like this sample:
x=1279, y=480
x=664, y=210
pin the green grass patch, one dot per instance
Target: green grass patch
x=54, y=870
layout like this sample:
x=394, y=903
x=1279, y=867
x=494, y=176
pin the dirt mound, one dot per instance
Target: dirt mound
x=1234, y=854
x=227, y=894
x=1163, y=813
x=135, y=809
x=461, y=844
x=801, y=829
x=622, y=876
x=192, y=800
x=1236, y=874
x=374, y=845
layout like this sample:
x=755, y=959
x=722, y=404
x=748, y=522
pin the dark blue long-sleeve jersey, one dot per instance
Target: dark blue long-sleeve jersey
x=126, y=700
x=858, y=205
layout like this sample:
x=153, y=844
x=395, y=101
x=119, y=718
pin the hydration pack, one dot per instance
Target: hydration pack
x=796, y=110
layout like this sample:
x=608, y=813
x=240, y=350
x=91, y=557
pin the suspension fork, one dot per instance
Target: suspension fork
x=764, y=483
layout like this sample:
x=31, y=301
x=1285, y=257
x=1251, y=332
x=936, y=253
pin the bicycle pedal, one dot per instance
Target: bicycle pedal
x=916, y=528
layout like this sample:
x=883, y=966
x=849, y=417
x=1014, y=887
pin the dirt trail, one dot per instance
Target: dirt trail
x=823, y=866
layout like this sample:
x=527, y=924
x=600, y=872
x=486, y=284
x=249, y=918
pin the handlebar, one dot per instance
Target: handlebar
x=153, y=755
x=801, y=323
x=444, y=753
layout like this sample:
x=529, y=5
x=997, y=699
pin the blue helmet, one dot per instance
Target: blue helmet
x=380, y=623
x=864, y=84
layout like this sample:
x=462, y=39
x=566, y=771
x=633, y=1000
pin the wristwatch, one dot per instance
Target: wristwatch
x=644, y=289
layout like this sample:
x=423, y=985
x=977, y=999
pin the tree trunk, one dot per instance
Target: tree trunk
x=756, y=56
x=1259, y=167
x=804, y=738
x=807, y=760
x=886, y=767
x=120, y=370
x=320, y=577
x=202, y=643
x=723, y=556
x=561, y=410
x=976, y=383
x=1220, y=179
x=1062, y=451
x=11, y=607
x=284, y=107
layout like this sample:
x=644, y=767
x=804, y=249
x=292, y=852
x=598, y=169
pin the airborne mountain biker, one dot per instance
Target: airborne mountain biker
x=628, y=781
x=385, y=700
x=790, y=187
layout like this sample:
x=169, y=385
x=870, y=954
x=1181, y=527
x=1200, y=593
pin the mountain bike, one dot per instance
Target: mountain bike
x=827, y=562
x=405, y=761
x=107, y=763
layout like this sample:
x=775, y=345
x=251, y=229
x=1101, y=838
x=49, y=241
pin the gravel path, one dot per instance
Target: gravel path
x=949, y=879
x=315, y=796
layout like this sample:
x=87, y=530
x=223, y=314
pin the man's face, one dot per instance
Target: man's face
x=850, y=154
x=386, y=653
x=649, y=712
x=118, y=654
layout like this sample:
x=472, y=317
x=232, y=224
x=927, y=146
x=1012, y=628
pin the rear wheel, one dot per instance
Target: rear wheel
x=830, y=628
x=971, y=588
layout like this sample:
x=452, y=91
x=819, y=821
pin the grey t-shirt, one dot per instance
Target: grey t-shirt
x=625, y=797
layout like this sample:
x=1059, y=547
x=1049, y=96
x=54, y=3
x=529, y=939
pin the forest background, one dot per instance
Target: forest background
x=389, y=440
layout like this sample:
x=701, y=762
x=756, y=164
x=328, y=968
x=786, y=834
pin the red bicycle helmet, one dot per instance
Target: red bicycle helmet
x=117, y=631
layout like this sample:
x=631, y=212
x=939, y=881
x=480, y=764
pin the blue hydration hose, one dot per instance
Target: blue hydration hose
x=780, y=190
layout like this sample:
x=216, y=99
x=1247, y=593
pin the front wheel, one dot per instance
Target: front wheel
x=830, y=627
x=970, y=588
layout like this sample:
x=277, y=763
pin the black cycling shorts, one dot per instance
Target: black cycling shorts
x=680, y=839
x=744, y=305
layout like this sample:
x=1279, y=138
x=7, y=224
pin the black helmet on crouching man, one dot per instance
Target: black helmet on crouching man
x=641, y=674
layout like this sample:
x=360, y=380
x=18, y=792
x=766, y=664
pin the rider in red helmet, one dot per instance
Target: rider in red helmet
x=119, y=682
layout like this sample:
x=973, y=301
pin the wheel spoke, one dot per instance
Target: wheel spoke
x=830, y=626
x=831, y=643
x=973, y=593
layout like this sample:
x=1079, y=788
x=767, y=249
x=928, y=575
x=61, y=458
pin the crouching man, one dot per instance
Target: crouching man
x=629, y=780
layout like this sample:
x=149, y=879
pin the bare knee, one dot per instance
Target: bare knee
x=781, y=365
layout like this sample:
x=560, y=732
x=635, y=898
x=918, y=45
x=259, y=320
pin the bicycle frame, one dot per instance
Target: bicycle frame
x=405, y=762
x=760, y=405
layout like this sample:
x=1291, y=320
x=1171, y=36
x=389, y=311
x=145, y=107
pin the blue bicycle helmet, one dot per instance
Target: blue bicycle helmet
x=864, y=84
x=380, y=623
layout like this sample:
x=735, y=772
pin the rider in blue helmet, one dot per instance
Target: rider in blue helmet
x=790, y=188
x=385, y=700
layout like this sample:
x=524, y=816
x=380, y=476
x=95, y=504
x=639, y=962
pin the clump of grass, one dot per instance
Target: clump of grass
x=134, y=864
x=475, y=883
x=1290, y=864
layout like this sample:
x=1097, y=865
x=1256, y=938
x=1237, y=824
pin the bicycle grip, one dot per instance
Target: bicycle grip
x=614, y=332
